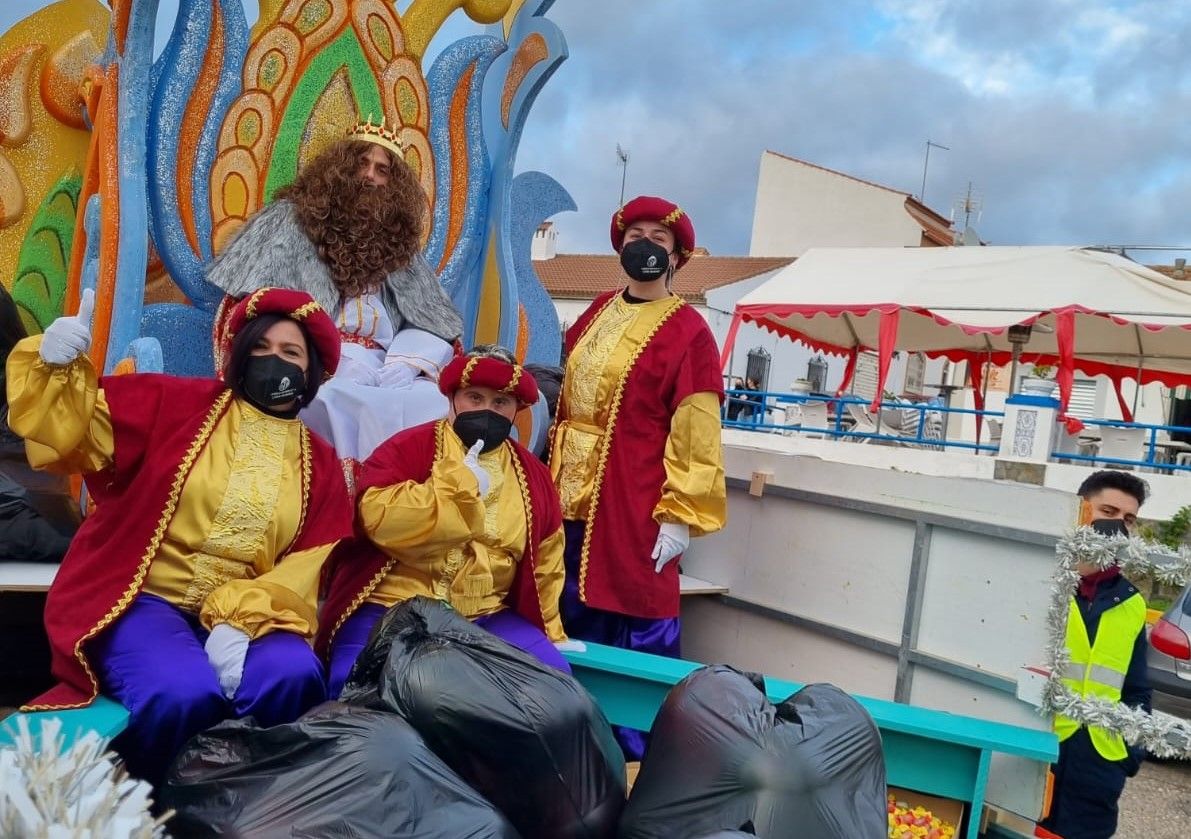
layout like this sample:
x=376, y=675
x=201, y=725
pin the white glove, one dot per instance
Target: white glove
x=67, y=338
x=226, y=649
x=472, y=461
x=395, y=375
x=571, y=645
x=355, y=371
x=672, y=541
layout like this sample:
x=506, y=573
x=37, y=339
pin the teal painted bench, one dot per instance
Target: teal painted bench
x=103, y=716
x=929, y=751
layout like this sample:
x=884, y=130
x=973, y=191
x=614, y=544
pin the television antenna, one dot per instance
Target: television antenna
x=622, y=160
x=925, y=163
x=969, y=205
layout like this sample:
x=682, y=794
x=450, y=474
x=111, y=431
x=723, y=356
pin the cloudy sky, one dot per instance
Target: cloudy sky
x=1067, y=116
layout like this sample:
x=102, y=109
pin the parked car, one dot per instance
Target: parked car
x=1169, y=658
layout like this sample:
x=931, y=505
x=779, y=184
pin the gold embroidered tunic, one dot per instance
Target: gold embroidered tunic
x=453, y=545
x=239, y=508
x=694, y=493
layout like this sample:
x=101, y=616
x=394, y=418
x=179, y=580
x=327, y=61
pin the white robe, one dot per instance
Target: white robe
x=355, y=411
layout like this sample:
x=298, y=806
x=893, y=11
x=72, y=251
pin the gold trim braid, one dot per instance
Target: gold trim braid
x=305, y=309
x=358, y=601
x=366, y=592
x=606, y=442
x=167, y=515
x=465, y=379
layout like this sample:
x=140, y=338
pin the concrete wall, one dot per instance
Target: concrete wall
x=800, y=206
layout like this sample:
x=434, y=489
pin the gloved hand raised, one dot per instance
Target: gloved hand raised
x=472, y=461
x=673, y=539
x=67, y=338
x=226, y=649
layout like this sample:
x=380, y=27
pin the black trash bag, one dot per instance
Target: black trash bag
x=526, y=736
x=337, y=771
x=722, y=757
x=832, y=782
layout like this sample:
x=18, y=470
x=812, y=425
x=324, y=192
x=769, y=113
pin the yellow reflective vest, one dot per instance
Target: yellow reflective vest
x=1099, y=670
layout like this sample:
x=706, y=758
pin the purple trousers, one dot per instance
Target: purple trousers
x=507, y=625
x=152, y=662
x=659, y=636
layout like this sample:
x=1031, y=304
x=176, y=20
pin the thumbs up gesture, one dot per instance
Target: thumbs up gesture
x=69, y=337
x=472, y=461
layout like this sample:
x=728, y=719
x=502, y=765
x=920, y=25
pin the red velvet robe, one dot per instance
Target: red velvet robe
x=617, y=574
x=160, y=424
x=358, y=566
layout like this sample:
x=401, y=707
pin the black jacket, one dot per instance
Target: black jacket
x=37, y=514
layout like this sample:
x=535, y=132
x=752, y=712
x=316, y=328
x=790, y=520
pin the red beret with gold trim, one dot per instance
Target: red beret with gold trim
x=650, y=208
x=486, y=371
x=297, y=306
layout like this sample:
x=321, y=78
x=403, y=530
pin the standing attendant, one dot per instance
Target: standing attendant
x=636, y=452
x=1106, y=647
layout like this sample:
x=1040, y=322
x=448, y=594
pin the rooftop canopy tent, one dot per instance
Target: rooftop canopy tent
x=1098, y=312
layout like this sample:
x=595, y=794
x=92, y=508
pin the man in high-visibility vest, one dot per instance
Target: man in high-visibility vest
x=1106, y=645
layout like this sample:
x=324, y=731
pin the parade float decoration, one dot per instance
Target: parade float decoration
x=127, y=174
x=1161, y=736
x=54, y=789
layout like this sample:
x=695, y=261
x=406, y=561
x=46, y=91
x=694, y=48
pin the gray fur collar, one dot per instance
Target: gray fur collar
x=271, y=249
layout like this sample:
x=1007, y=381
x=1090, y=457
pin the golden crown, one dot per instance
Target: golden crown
x=371, y=132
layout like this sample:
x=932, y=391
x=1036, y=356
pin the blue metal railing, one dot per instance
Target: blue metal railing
x=1170, y=447
x=755, y=407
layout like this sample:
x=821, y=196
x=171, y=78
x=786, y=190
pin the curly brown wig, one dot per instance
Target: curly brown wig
x=363, y=232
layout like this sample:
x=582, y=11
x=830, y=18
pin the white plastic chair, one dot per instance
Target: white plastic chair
x=814, y=419
x=995, y=428
x=864, y=423
x=1122, y=443
x=1066, y=443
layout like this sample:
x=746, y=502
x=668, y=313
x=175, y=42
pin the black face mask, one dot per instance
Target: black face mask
x=488, y=426
x=644, y=260
x=270, y=381
x=1110, y=527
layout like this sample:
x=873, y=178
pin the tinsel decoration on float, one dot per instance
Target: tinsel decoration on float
x=48, y=791
x=1161, y=736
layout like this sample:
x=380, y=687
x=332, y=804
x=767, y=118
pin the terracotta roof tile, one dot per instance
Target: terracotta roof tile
x=586, y=276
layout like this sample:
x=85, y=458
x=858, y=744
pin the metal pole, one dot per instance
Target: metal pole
x=925, y=163
x=1013, y=367
x=623, y=157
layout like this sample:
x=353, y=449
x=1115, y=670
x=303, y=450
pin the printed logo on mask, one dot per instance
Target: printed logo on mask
x=644, y=260
x=270, y=381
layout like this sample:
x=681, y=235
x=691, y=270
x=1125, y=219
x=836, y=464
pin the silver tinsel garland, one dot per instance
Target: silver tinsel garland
x=1164, y=737
x=48, y=791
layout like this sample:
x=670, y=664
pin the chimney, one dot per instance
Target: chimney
x=545, y=242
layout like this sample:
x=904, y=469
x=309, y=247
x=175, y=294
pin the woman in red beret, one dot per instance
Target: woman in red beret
x=455, y=510
x=636, y=449
x=189, y=594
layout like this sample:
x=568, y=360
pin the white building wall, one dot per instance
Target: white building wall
x=800, y=206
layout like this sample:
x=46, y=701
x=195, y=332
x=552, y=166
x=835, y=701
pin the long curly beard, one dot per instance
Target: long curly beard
x=357, y=238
